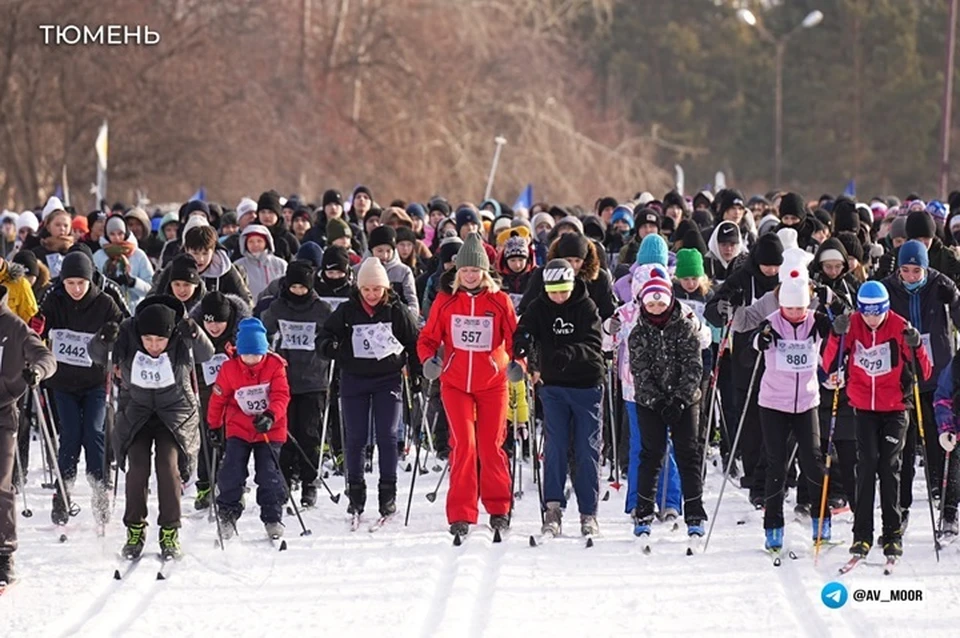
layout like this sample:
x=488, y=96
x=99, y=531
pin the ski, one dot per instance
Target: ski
x=458, y=540
x=945, y=540
x=694, y=545
x=542, y=539
x=850, y=564
x=128, y=567
x=379, y=523
x=166, y=566
x=776, y=555
x=588, y=543
x=889, y=565
x=499, y=535
x=644, y=540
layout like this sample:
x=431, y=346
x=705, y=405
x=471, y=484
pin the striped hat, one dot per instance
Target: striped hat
x=873, y=298
x=656, y=289
x=558, y=276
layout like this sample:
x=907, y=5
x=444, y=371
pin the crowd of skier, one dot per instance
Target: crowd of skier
x=645, y=336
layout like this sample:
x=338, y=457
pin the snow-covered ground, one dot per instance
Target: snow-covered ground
x=412, y=582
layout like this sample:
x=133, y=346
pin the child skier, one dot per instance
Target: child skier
x=667, y=369
x=218, y=315
x=296, y=317
x=370, y=337
x=249, y=401
x=154, y=350
x=563, y=325
x=259, y=261
x=879, y=383
x=789, y=340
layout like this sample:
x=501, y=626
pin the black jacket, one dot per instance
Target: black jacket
x=596, y=278
x=86, y=317
x=336, y=337
x=666, y=362
x=567, y=338
x=310, y=369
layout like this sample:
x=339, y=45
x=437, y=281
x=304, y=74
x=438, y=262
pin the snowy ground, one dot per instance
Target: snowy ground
x=413, y=582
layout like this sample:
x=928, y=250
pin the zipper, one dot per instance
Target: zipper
x=473, y=305
x=796, y=383
x=873, y=380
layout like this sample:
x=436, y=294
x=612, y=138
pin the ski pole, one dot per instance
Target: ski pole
x=733, y=450
x=714, y=376
x=615, y=452
x=828, y=462
x=293, y=501
x=111, y=415
x=943, y=493
x=326, y=413
x=47, y=434
x=343, y=446
x=512, y=406
x=27, y=512
x=538, y=479
x=923, y=450
x=215, y=491
x=333, y=497
x=413, y=479
x=432, y=496
x=48, y=406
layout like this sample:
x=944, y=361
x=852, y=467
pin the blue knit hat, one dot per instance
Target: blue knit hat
x=653, y=250
x=311, y=251
x=914, y=253
x=251, y=337
x=873, y=298
x=622, y=214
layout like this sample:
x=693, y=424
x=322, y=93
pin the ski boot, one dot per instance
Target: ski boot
x=308, y=495
x=824, y=532
x=203, y=499
x=802, y=510
x=904, y=521
x=135, y=539
x=950, y=526
x=774, y=539
x=552, y=519
x=499, y=522
x=860, y=548
x=170, y=543
x=670, y=515
x=695, y=528
x=387, y=497
x=459, y=528
x=274, y=530
x=893, y=546
x=641, y=524
x=589, y=525
x=59, y=514
x=757, y=502
x=357, y=495
x=8, y=573
x=228, y=523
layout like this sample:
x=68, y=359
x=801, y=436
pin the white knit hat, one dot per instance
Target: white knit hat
x=53, y=205
x=245, y=206
x=372, y=273
x=795, y=290
x=28, y=220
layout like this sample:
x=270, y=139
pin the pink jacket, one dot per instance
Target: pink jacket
x=789, y=383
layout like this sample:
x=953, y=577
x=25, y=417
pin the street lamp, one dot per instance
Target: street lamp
x=780, y=43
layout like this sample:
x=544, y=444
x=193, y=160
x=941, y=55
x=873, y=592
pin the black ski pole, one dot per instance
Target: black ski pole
x=413, y=479
x=214, y=491
x=326, y=415
x=923, y=451
x=333, y=497
x=535, y=445
x=293, y=501
x=27, y=512
x=46, y=431
x=432, y=496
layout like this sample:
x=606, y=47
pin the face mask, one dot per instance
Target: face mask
x=915, y=286
x=542, y=236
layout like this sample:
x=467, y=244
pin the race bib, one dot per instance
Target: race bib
x=298, y=335
x=334, y=301
x=696, y=306
x=54, y=262
x=212, y=368
x=472, y=333
x=796, y=356
x=150, y=373
x=516, y=298
x=253, y=399
x=70, y=347
x=375, y=341
x=874, y=361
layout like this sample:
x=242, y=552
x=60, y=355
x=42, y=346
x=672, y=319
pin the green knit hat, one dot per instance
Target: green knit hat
x=689, y=263
x=337, y=228
x=472, y=254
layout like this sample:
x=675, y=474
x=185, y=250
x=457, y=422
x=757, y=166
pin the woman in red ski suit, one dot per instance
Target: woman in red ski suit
x=474, y=324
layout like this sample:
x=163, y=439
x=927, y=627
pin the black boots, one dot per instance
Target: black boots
x=357, y=493
x=387, y=496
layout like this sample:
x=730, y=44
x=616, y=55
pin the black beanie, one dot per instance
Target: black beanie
x=184, y=268
x=156, y=319
x=851, y=243
x=331, y=197
x=94, y=217
x=792, y=204
x=363, y=189
x=845, y=216
x=335, y=258
x=769, y=250
x=449, y=249
x=300, y=272
x=439, y=204
x=406, y=234
x=76, y=265
x=728, y=199
x=27, y=259
x=693, y=238
x=606, y=202
x=81, y=248
x=215, y=307
x=572, y=245
x=920, y=224
x=269, y=200
x=382, y=236
x=824, y=217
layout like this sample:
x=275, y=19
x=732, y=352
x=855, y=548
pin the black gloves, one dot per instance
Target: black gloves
x=215, y=437
x=416, y=384
x=521, y=346
x=330, y=349
x=263, y=422
x=109, y=332
x=841, y=324
x=764, y=337
x=122, y=279
x=188, y=328
x=31, y=376
x=912, y=337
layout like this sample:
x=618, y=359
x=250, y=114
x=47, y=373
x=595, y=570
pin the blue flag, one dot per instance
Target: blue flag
x=851, y=189
x=59, y=192
x=526, y=198
x=200, y=195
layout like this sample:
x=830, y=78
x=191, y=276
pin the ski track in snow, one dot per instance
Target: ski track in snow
x=412, y=582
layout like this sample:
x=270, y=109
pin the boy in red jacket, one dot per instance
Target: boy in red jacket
x=881, y=346
x=250, y=398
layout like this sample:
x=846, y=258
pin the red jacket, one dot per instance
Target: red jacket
x=264, y=383
x=887, y=391
x=476, y=367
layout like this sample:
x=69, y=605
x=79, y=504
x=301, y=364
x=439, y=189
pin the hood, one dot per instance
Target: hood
x=219, y=266
x=130, y=238
x=830, y=244
x=11, y=271
x=258, y=230
x=714, y=246
x=591, y=265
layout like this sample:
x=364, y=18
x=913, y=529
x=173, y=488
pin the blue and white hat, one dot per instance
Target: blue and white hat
x=873, y=298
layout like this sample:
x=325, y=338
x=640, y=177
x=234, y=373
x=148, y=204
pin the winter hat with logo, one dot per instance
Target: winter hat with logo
x=914, y=253
x=873, y=298
x=653, y=250
x=656, y=289
x=300, y=272
x=251, y=337
x=76, y=265
x=731, y=197
x=331, y=196
x=184, y=268
x=382, y=236
x=645, y=215
x=689, y=263
x=572, y=245
x=920, y=224
x=728, y=233
x=157, y=319
x=472, y=254
x=372, y=273
x=215, y=307
x=769, y=250
x=558, y=276
x=516, y=246
x=335, y=258
x=449, y=248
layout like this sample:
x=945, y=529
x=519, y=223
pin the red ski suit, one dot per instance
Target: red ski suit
x=883, y=392
x=225, y=405
x=476, y=332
